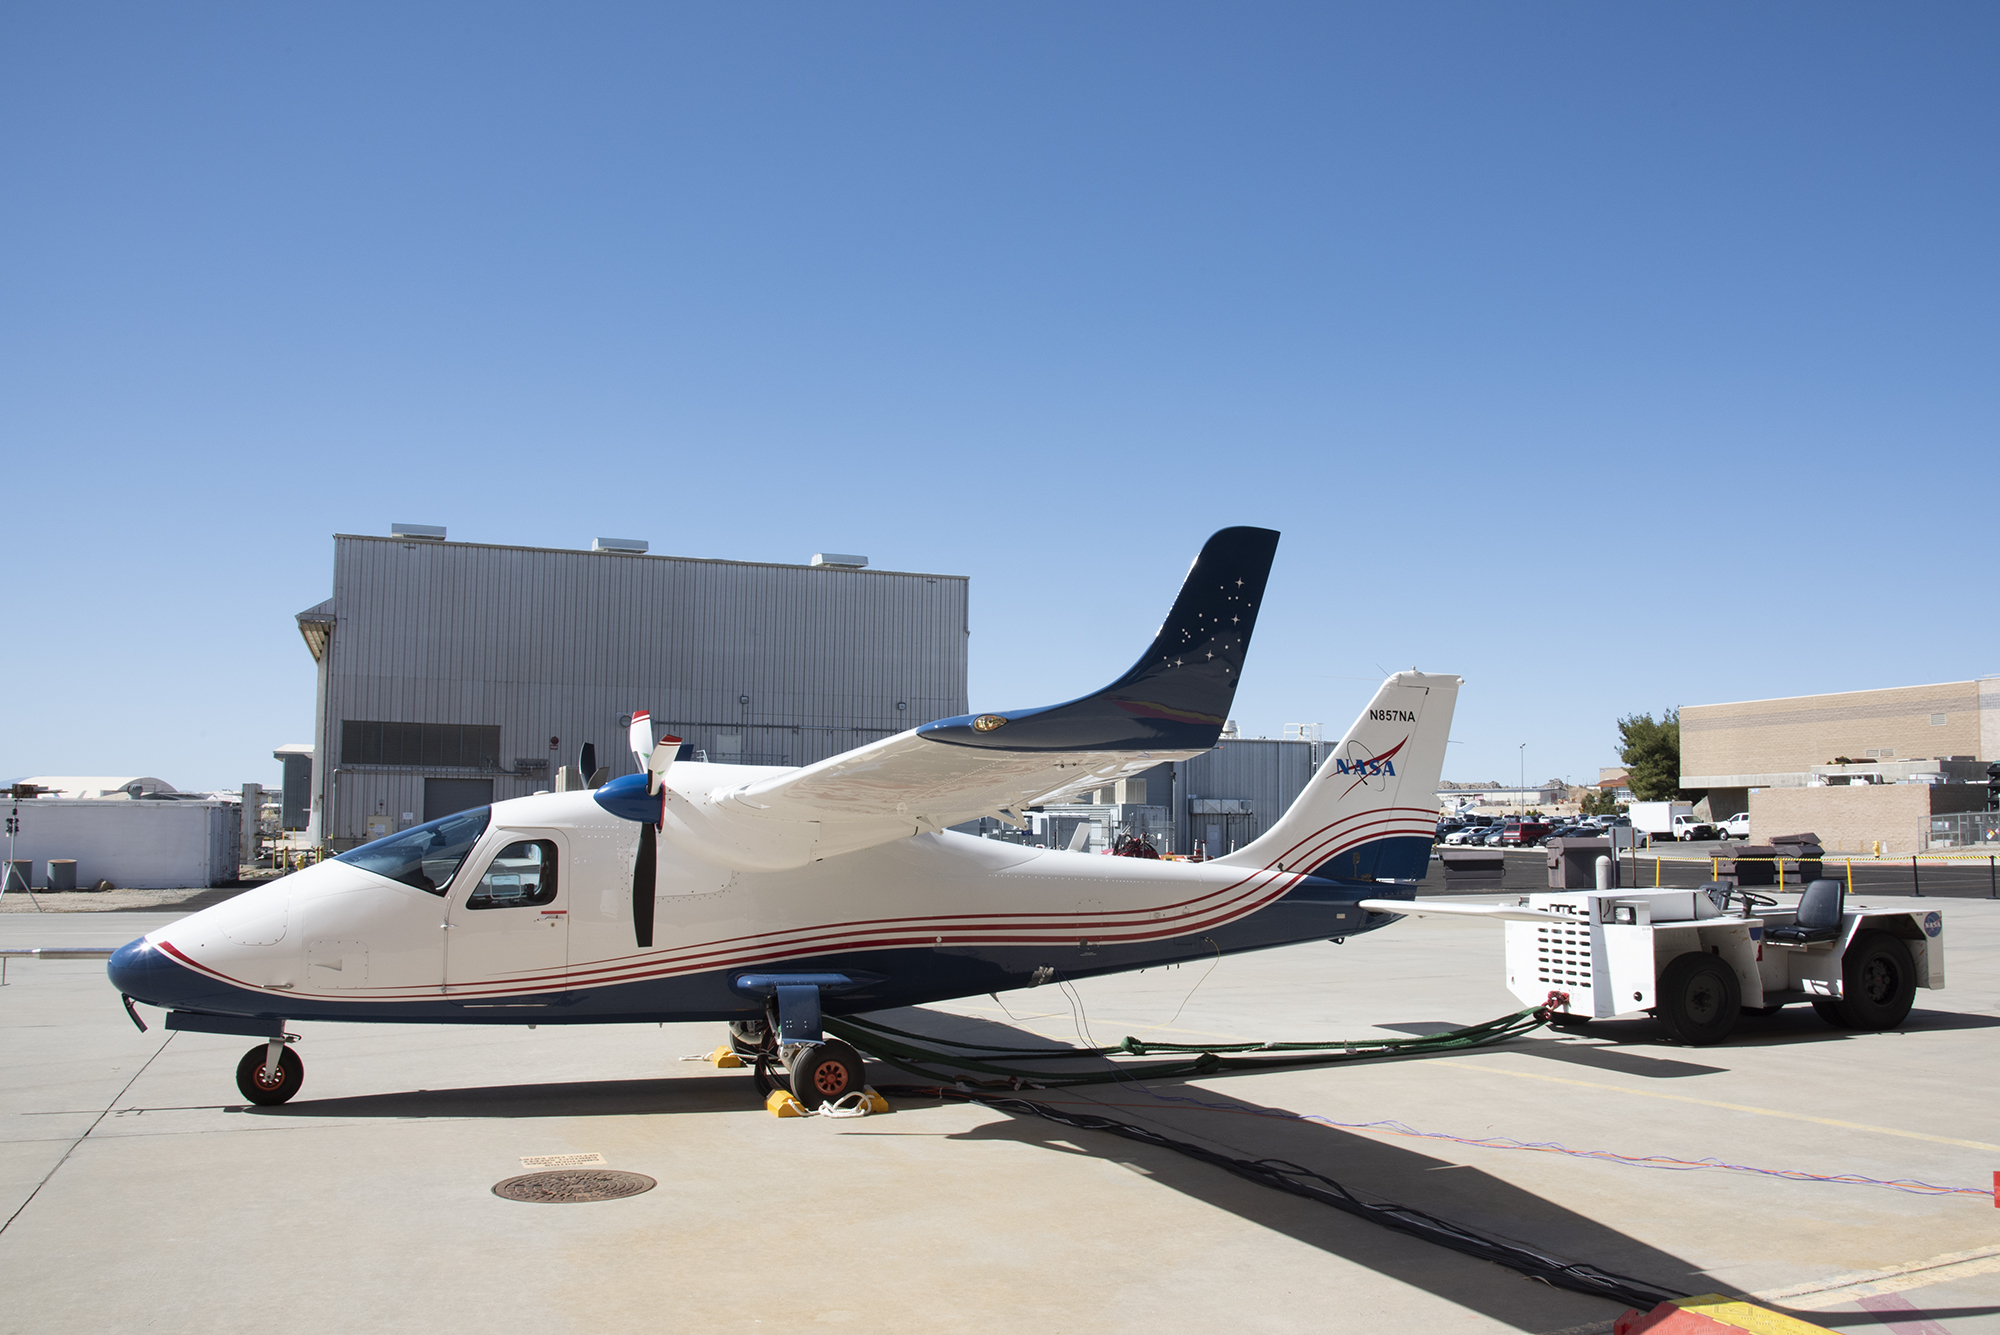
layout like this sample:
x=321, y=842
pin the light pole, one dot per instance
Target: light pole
x=1522, y=791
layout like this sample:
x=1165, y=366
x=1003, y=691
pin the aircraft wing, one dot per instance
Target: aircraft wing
x=1171, y=705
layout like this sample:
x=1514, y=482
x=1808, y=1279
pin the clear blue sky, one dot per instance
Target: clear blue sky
x=1615, y=357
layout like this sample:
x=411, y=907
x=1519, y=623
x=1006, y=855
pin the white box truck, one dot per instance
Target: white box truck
x=1655, y=820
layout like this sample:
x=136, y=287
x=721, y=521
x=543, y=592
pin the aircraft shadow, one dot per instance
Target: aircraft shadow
x=1375, y=1170
x=585, y=1098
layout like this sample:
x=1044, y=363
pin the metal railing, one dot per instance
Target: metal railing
x=1964, y=829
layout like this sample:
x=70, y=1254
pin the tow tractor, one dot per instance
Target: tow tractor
x=1697, y=959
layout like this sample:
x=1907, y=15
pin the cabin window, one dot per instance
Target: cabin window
x=521, y=874
x=425, y=856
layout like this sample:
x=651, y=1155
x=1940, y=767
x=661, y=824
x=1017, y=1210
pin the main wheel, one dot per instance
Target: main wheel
x=1878, y=982
x=1699, y=999
x=824, y=1072
x=250, y=1076
x=747, y=1038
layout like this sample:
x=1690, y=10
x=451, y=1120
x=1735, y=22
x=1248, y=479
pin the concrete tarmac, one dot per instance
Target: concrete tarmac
x=139, y=1192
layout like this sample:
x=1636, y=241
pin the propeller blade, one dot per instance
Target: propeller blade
x=658, y=763
x=586, y=762
x=644, y=871
x=642, y=735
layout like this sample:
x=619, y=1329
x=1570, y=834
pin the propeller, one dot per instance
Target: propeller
x=645, y=864
x=594, y=775
x=655, y=757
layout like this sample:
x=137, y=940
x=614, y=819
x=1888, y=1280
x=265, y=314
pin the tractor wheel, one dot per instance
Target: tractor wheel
x=1830, y=1011
x=1699, y=999
x=1878, y=982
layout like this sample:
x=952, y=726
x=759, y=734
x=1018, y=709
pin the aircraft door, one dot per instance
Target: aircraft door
x=508, y=931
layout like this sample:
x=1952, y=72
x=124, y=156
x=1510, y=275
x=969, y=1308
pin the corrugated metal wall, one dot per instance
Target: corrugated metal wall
x=1269, y=775
x=550, y=643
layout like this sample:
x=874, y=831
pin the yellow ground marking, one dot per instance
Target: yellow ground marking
x=1747, y=1316
x=1944, y=1269
x=1716, y=1103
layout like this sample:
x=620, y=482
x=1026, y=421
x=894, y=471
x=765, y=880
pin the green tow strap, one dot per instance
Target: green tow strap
x=908, y=1052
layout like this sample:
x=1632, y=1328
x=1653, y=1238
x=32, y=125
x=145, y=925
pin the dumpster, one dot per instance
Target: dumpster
x=1753, y=865
x=1473, y=869
x=1573, y=863
x=62, y=874
x=1800, y=855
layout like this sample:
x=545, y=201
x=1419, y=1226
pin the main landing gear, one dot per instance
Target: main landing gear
x=814, y=1073
x=818, y=1070
x=270, y=1073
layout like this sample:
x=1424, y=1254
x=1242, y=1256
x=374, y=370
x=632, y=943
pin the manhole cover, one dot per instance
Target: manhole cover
x=569, y=1185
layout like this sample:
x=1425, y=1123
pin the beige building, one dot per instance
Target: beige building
x=1832, y=763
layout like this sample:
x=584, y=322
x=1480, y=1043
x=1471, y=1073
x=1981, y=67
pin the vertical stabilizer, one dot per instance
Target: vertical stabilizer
x=1370, y=813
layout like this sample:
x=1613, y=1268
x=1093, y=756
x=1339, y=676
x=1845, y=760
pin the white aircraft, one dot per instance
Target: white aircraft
x=759, y=895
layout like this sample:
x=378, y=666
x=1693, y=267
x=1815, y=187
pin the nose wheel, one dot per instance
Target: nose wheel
x=268, y=1077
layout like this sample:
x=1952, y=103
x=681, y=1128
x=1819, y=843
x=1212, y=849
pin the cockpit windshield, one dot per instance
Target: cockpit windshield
x=425, y=856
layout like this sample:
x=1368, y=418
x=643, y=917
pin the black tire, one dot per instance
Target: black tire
x=1699, y=999
x=1830, y=1012
x=1568, y=1024
x=1878, y=982
x=747, y=1038
x=824, y=1072
x=250, y=1076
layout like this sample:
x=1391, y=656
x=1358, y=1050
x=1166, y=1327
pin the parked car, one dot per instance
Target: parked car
x=1522, y=833
x=1687, y=827
x=1470, y=834
x=1490, y=836
x=1736, y=827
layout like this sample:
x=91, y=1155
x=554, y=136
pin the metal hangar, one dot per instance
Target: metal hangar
x=452, y=674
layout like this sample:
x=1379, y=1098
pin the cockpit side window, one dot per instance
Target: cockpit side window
x=425, y=856
x=520, y=874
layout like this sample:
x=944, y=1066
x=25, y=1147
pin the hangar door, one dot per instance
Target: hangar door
x=447, y=797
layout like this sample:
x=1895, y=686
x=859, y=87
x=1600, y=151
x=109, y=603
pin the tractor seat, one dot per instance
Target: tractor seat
x=1818, y=918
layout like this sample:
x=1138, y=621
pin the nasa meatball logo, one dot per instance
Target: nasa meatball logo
x=1933, y=923
x=1373, y=770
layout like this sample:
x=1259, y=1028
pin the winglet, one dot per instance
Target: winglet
x=1177, y=696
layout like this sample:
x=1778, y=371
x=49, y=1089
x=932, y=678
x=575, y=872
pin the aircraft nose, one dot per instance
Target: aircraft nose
x=142, y=971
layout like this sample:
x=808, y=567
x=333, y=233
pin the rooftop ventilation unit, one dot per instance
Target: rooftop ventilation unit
x=427, y=532
x=841, y=559
x=630, y=546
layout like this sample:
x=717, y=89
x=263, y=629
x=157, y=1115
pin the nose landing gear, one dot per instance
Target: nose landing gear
x=270, y=1073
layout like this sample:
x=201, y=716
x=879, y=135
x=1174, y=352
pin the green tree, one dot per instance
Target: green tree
x=1652, y=755
x=1603, y=802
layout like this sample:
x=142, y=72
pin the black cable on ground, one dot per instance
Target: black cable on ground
x=1298, y=1181
x=915, y=1054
